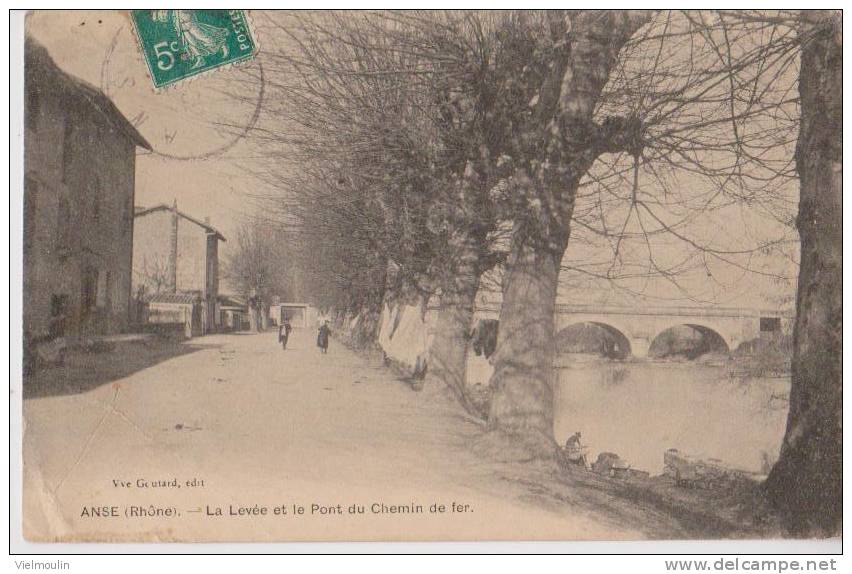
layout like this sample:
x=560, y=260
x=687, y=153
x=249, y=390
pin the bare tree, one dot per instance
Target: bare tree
x=258, y=269
x=560, y=143
x=154, y=274
x=420, y=97
x=332, y=147
x=597, y=144
x=806, y=482
x=619, y=101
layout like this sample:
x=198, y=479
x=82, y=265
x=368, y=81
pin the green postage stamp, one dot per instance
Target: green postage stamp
x=178, y=44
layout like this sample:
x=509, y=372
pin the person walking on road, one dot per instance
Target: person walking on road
x=284, y=332
x=322, y=337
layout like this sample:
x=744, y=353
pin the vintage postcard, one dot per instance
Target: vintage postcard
x=424, y=275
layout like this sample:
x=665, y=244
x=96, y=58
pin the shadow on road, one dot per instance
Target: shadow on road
x=83, y=371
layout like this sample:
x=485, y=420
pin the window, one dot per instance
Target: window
x=97, y=199
x=102, y=296
x=63, y=224
x=89, y=290
x=33, y=107
x=59, y=307
x=31, y=192
x=770, y=324
x=127, y=216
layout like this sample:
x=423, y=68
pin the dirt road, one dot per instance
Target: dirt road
x=228, y=438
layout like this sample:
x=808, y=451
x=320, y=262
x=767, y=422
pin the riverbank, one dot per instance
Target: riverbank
x=735, y=509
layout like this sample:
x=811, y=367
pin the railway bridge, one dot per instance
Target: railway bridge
x=636, y=328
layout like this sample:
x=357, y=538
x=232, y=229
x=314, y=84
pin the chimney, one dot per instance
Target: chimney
x=171, y=278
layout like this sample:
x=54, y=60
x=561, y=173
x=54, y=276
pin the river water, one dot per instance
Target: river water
x=638, y=409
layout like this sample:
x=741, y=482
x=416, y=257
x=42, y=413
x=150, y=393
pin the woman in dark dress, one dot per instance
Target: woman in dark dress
x=322, y=337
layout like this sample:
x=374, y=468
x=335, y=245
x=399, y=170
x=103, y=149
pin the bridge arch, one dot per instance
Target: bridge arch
x=676, y=339
x=584, y=336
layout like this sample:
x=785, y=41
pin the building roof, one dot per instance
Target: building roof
x=38, y=60
x=141, y=212
x=228, y=301
x=181, y=297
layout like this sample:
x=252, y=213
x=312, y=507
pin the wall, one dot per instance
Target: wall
x=211, y=282
x=197, y=259
x=151, y=248
x=151, y=244
x=405, y=335
x=192, y=257
x=79, y=189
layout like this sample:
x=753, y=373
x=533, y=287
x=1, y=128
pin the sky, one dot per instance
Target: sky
x=203, y=166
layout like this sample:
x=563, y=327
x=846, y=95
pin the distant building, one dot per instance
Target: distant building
x=174, y=253
x=234, y=313
x=299, y=314
x=79, y=163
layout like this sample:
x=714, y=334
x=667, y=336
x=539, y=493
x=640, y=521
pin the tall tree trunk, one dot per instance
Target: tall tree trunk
x=806, y=482
x=522, y=383
x=546, y=187
x=468, y=256
x=451, y=337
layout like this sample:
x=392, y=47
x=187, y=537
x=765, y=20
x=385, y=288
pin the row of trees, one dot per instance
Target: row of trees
x=259, y=269
x=410, y=153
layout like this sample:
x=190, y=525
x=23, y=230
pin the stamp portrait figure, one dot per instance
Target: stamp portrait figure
x=198, y=39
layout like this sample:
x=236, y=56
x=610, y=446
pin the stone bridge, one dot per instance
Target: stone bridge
x=636, y=328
